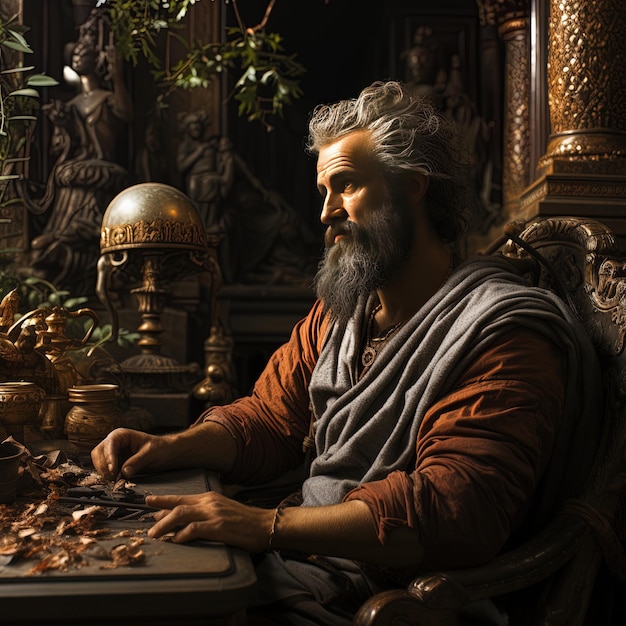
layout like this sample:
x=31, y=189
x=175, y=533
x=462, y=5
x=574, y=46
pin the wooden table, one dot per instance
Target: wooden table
x=201, y=583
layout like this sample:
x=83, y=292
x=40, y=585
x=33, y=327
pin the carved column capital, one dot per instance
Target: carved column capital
x=507, y=15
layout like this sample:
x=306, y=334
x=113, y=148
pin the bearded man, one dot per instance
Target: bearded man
x=434, y=427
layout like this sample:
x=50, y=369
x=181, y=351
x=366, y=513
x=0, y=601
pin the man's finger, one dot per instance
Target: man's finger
x=167, y=501
x=179, y=516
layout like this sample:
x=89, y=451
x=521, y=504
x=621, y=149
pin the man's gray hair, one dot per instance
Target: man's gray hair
x=408, y=136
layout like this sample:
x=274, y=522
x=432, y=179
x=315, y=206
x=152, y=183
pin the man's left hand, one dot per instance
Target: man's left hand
x=212, y=516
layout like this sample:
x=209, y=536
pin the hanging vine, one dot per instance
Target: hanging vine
x=265, y=77
x=19, y=105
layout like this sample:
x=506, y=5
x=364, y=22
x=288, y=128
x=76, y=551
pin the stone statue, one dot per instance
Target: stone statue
x=431, y=74
x=265, y=240
x=477, y=132
x=425, y=75
x=206, y=166
x=460, y=108
x=86, y=175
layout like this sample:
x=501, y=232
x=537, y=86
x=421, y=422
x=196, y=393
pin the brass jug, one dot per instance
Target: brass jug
x=52, y=335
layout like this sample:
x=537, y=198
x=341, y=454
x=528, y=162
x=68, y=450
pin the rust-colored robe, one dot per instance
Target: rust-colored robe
x=479, y=456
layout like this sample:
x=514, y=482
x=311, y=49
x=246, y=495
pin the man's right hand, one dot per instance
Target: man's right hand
x=128, y=452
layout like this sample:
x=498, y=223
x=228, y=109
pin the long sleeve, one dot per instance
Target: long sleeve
x=270, y=424
x=480, y=454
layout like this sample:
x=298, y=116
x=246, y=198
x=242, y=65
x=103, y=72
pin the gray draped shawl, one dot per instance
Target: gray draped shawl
x=365, y=429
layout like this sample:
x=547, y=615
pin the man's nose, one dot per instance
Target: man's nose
x=332, y=210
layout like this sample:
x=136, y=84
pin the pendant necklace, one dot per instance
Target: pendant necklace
x=374, y=344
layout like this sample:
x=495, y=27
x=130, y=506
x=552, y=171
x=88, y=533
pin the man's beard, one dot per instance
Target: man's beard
x=364, y=260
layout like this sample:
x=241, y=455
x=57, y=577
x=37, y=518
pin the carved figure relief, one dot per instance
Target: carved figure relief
x=261, y=238
x=206, y=165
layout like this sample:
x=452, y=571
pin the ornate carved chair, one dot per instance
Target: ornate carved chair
x=560, y=576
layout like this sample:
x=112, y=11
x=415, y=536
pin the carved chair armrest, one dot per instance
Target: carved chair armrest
x=434, y=598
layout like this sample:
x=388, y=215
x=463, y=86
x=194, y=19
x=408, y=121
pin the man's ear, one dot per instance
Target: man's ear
x=417, y=187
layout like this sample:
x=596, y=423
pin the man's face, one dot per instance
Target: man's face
x=350, y=180
x=370, y=230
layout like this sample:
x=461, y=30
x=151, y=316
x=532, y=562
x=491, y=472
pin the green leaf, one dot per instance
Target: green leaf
x=16, y=46
x=31, y=93
x=249, y=76
x=41, y=80
x=18, y=37
x=70, y=303
x=270, y=75
x=32, y=281
x=14, y=70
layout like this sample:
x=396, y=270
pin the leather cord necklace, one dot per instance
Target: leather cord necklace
x=373, y=345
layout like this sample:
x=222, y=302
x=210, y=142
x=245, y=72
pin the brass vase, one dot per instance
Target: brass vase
x=94, y=415
x=20, y=403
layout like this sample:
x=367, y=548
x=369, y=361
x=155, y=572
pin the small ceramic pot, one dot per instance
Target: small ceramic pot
x=10, y=454
x=94, y=414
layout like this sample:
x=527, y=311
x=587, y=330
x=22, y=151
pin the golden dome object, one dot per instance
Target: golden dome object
x=151, y=215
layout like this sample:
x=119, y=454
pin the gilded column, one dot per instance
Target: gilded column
x=583, y=170
x=516, y=169
x=586, y=80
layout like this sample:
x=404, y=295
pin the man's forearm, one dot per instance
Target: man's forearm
x=207, y=445
x=344, y=530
